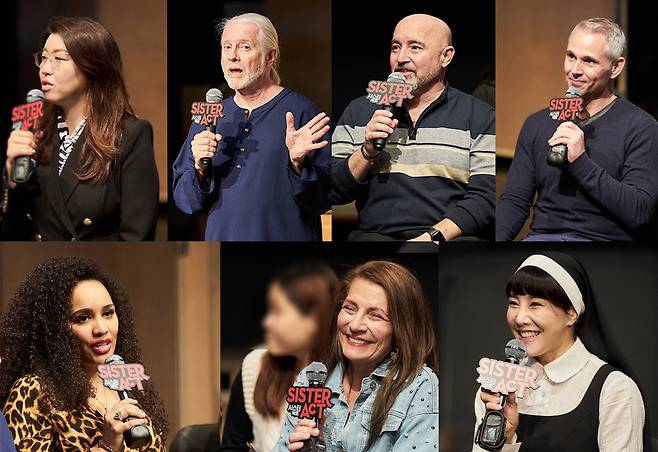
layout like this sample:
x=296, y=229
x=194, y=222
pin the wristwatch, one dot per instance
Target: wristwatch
x=436, y=235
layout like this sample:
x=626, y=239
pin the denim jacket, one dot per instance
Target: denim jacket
x=412, y=424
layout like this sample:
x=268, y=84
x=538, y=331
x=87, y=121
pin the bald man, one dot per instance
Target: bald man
x=435, y=178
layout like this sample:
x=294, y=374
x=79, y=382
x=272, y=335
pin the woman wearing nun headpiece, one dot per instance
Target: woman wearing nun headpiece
x=586, y=400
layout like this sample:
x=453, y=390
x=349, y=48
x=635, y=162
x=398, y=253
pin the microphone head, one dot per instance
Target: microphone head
x=114, y=359
x=573, y=92
x=214, y=96
x=396, y=77
x=316, y=372
x=35, y=95
x=515, y=350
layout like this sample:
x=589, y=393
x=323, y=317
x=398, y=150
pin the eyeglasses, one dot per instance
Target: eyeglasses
x=40, y=59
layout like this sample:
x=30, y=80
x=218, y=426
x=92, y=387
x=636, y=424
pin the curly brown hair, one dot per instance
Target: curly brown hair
x=36, y=338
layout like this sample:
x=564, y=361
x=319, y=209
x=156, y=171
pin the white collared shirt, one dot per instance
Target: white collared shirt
x=562, y=386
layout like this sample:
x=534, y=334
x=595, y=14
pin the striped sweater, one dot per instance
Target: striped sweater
x=441, y=167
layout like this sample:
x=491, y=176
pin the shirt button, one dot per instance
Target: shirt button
x=373, y=385
x=38, y=237
x=87, y=222
x=246, y=129
x=238, y=166
x=241, y=149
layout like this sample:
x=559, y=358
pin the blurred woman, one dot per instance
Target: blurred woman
x=586, y=401
x=66, y=318
x=96, y=177
x=300, y=301
x=385, y=393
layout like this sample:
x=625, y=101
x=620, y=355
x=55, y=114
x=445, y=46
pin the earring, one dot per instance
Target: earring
x=394, y=354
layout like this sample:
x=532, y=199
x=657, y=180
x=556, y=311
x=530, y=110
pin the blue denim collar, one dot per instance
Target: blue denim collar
x=335, y=379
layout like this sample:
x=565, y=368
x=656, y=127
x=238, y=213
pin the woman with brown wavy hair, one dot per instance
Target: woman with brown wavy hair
x=300, y=300
x=96, y=177
x=65, y=319
x=382, y=363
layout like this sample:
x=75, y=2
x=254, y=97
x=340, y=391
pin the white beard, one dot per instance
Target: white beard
x=420, y=83
x=247, y=78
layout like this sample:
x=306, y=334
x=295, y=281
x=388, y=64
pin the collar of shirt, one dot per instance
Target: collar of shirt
x=443, y=98
x=566, y=366
x=335, y=379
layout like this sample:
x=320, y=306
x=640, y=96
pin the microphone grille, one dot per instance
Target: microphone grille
x=396, y=77
x=316, y=372
x=515, y=350
x=114, y=359
x=214, y=96
x=35, y=95
x=573, y=92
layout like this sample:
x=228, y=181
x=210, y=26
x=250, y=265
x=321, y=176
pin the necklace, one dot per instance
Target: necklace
x=104, y=405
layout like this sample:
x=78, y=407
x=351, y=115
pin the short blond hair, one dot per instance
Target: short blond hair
x=268, y=37
x=613, y=33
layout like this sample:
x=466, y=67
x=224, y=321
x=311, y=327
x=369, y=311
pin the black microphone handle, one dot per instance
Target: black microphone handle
x=314, y=443
x=205, y=161
x=380, y=143
x=19, y=174
x=557, y=155
x=139, y=435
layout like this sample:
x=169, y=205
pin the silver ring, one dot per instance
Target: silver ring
x=117, y=416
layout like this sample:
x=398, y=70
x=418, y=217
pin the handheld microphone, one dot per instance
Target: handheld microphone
x=25, y=117
x=564, y=109
x=503, y=377
x=310, y=402
x=121, y=377
x=206, y=113
x=389, y=94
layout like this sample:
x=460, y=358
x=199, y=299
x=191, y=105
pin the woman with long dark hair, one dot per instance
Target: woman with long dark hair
x=299, y=303
x=65, y=319
x=587, y=399
x=96, y=177
x=382, y=363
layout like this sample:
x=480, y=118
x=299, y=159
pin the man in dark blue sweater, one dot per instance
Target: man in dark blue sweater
x=270, y=175
x=608, y=188
x=434, y=180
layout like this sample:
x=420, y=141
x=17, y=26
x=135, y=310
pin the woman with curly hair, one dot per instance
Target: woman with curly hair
x=66, y=318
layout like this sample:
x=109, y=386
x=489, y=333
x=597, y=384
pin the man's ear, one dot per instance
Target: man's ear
x=617, y=67
x=271, y=56
x=447, y=56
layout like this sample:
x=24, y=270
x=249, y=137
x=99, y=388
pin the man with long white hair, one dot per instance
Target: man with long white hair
x=270, y=169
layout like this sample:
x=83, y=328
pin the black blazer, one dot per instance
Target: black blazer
x=61, y=207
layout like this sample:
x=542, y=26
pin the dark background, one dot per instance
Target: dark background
x=361, y=41
x=642, y=56
x=472, y=320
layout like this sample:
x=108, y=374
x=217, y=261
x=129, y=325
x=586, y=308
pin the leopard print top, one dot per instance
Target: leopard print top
x=37, y=427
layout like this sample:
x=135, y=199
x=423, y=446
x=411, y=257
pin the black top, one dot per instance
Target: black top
x=573, y=431
x=608, y=193
x=61, y=207
x=238, y=429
